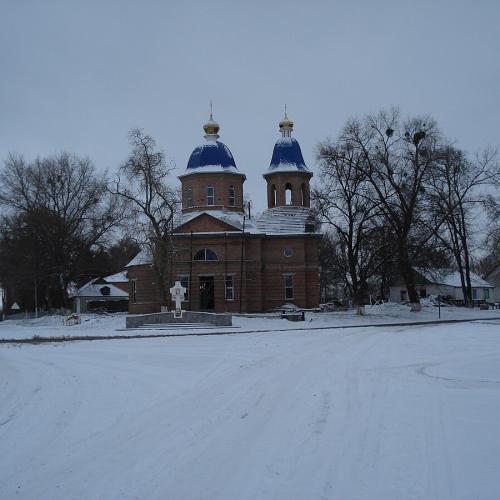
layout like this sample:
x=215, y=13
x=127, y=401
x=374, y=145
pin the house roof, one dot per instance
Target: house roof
x=93, y=289
x=120, y=277
x=451, y=278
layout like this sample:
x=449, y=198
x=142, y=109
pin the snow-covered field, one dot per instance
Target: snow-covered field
x=401, y=412
x=109, y=325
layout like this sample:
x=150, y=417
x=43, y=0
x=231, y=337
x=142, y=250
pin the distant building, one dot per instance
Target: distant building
x=227, y=261
x=493, y=277
x=109, y=294
x=444, y=282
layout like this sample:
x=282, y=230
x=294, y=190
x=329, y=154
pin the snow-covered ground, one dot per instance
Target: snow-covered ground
x=401, y=412
x=114, y=324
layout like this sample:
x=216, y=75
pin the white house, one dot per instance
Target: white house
x=444, y=282
x=102, y=293
x=493, y=277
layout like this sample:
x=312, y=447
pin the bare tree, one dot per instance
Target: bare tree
x=345, y=200
x=56, y=209
x=398, y=157
x=152, y=203
x=458, y=194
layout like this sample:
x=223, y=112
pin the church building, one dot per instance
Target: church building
x=227, y=261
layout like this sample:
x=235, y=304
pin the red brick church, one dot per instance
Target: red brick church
x=227, y=261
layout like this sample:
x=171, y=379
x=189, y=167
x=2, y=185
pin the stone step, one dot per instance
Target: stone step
x=180, y=326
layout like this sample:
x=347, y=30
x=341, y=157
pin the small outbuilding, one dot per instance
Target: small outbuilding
x=444, y=282
x=102, y=294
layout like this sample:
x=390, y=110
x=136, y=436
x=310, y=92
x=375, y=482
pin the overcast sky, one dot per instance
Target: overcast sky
x=78, y=75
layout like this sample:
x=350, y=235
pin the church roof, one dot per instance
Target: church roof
x=277, y=220
x=211, y=154
x=287, y=156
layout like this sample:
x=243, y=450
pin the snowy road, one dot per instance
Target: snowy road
x=368, y=413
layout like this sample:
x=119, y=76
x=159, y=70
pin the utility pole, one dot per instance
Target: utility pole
x=36, y=302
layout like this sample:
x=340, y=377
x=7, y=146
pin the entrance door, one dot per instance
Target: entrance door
x=206, y=292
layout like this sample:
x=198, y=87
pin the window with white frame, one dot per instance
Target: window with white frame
x=210, y=194
x=288, y=278
x=229, y=287
x=232, y=196
x=205, y=254
x=184, y=279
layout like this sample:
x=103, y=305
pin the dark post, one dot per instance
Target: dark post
x=190, y=279
x=241, y=262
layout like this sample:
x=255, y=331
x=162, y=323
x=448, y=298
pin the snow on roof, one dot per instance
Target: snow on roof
x=212, y=153
x=117, y=278
x=287, y=156
x=449, y=277
x=285, y=220
x=143, y=257
x=92, y=289
x=278, y=220
x=228, y=216
x=210, y=169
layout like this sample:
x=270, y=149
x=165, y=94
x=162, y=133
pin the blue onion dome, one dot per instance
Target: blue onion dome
x=213, y=154
x=287, y=154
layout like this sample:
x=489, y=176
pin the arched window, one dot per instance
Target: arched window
x=210, y=194
x=205, y=254
x=303, y=194
x=231, y=196
x=273, y=195
x=189, y=197
x=288, y=194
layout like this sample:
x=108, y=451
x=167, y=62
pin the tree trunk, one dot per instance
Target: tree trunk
x=406, y=272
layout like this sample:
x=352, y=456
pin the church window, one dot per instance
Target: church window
x=205, y=254
x=133, y=294
x=288, y=286
x=303, y=195
x=231, y=196
x=229, y=287
x=184, y=279
x=210, y=194
x=273, y=195
x=288, y=194
x=189, y=197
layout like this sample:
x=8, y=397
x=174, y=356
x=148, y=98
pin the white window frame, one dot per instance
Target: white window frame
x=288, y=287
x=210, y=195
x=232, y=196
x=231, y=287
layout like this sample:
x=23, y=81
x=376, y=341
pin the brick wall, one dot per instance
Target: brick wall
x=260, y=288
x=221, y=182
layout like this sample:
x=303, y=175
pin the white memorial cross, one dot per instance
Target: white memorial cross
x=178, y=292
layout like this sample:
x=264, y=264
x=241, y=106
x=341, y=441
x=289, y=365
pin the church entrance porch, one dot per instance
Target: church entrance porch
x=207, y=295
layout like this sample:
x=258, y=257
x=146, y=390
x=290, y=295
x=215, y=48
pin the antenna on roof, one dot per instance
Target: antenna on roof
x=285, y=112
x=211, y=117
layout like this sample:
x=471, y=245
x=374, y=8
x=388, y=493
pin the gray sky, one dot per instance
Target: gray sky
x=78, y=75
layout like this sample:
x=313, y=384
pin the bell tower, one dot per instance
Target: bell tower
x=287, y=176
x=211, y=180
